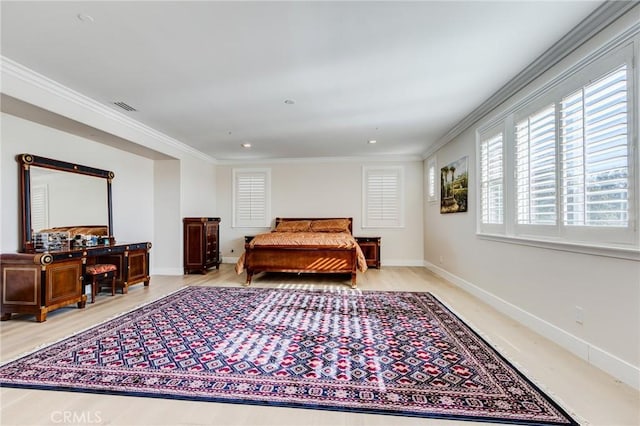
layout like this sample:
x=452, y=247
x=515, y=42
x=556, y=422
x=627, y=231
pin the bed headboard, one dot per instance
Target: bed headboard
x=286, y=219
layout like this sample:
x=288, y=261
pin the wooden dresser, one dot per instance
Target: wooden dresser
x=201, y=243
x=49, y=270
x=38, y=283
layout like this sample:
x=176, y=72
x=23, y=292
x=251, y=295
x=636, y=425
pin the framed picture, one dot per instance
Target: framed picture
x=454, y=184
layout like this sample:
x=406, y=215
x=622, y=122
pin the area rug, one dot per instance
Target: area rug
x=397, y=353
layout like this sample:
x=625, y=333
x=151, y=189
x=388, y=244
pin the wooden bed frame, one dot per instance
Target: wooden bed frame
x=301, y=258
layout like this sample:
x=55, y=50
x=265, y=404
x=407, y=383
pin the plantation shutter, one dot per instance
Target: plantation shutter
x=595, y=151
x=536, y=168
x=431, y=179
x=39, y=207
x=383, y=197
x=251, y=198
x=491, y=180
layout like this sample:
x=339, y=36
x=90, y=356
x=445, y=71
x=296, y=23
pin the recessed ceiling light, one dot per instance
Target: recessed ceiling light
x=289, y=101
x=85, y=18
x=372, y=141
x=245, y=145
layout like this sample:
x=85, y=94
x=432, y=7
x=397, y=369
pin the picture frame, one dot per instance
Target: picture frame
x=454, y=186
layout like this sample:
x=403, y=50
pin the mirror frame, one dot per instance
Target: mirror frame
x=28, y=160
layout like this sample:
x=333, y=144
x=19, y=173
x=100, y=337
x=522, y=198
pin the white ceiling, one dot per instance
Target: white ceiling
x=214, y=75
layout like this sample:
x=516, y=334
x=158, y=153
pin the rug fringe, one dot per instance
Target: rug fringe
x=43, y=345
x=525, y=372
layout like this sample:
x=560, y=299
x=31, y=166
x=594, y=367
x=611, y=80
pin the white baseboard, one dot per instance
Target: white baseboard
x=616, y=367
x=230, y=259
x=167, y=271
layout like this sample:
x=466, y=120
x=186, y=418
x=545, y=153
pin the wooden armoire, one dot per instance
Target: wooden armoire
x=201, y=243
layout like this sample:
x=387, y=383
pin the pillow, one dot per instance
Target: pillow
x=293, y=226
x=330, y=225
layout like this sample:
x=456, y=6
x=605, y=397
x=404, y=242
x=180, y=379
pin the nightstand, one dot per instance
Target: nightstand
x=371, y=249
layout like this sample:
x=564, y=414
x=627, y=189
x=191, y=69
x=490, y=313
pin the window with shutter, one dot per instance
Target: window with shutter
x=536, y=168
x=491, y=180
x=383, y=198
x=568, y=169
x=595, y=152
x=432, y=183
x=251, y=198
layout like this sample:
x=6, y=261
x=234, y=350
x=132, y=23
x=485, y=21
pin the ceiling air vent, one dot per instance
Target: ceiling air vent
x=124, y=106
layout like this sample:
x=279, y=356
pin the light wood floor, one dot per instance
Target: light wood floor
x=593, y=397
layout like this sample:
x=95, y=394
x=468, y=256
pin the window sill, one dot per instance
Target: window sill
x=627, y=253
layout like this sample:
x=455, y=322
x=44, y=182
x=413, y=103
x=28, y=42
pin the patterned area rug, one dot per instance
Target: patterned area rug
x=393, y=353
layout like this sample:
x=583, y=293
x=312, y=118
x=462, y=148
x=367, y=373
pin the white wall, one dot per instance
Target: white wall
x=149, y=197
x=167, y=241
x=198, y=188
x=327, y=189
x=132, y=186
x=542, y=287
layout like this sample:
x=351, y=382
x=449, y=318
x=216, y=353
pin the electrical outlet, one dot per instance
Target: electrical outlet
x=579, y=313
x=231, y=250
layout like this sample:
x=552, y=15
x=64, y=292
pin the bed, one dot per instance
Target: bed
x=304, y=245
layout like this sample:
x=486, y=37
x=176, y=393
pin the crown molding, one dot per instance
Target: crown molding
x=599, y=19
x=9, y=67
x=307, y=160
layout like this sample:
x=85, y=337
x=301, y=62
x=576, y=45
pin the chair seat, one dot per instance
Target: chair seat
x=100, y=268
x=98, y=272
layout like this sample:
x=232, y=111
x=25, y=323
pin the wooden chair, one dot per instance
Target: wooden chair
x=97, y=273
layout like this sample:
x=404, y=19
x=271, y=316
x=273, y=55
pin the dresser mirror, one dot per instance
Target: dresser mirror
x=59, y=194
